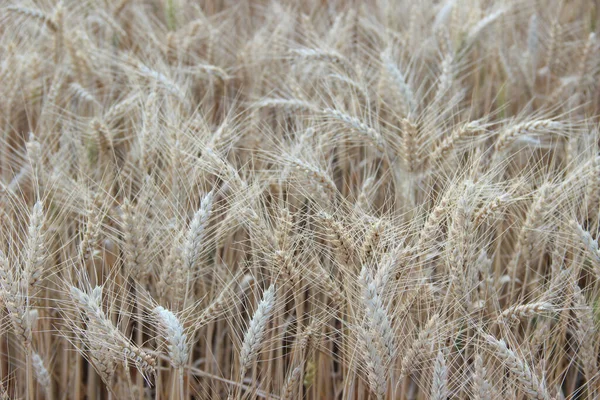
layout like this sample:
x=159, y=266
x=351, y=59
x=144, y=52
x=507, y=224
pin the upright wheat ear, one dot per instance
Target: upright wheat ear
x=41, y=373
x=36, y=252
x=439, y=384
x=376, y=370
x=196, y=232
x=481, y=389
x=173, y=333
x=253, y=340
x=288, y=390
x=376, y=313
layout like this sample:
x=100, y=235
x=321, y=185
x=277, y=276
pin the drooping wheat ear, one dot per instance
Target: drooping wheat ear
x=36, y=251
x=424, y=341
x=399, y=80
x=317, y=175
x=82, y=93
x=326, y=56
x=357, y=86
x=531, y=384
x=519, y=311
x=590, y=245
x=287, y=393
x=475, y=30
x=377, y=315
x=230, y=174
x=481, y=386
x=106, y=342
x=358, y=126
x=289, y=105
x=208, y=70
x=34, y=14
x=585, y=331
x=41, y=373
x=167, y=84
x=253, y=340
x=439, y=382
x=514, y=132
x=445, y=147
x=173, y=333
x=376, y=369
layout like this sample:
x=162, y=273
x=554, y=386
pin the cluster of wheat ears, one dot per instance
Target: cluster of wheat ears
x=287, y=199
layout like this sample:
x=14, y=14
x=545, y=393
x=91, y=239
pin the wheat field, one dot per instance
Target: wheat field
x=221, y=199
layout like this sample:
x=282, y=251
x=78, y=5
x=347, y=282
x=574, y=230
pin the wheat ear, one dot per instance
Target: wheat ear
x=531, y=384
x=253, y=340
